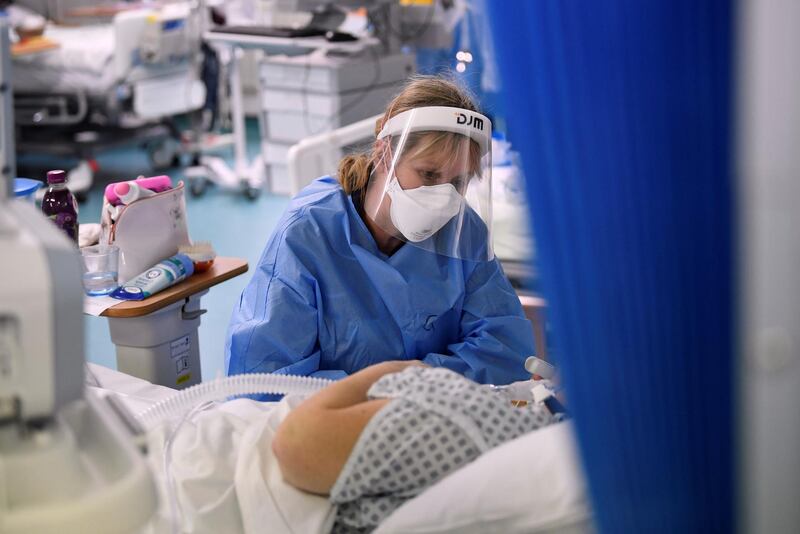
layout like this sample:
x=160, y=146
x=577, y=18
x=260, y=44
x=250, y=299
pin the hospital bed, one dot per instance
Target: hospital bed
x=109, y=84
x=531, y=484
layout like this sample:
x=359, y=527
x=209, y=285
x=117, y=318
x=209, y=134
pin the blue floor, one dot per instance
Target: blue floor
x=234, y=225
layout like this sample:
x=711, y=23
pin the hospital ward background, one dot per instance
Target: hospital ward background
x=399, y=266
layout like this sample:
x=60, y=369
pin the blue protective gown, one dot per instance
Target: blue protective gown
x=325, y=301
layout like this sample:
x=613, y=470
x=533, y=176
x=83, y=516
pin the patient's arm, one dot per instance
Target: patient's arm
x=314, y=441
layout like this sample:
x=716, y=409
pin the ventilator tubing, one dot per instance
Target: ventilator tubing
x=222, y=388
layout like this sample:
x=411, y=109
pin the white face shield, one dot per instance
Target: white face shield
x=431, y=186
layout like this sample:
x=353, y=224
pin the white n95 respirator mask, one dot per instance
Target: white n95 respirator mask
x=431, y=182
x=420, y=212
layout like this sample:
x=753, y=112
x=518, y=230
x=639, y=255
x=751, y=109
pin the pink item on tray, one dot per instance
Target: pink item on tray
x=157, y=184
x=128, y=192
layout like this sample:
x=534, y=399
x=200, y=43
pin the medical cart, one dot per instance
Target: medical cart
x=156, y=338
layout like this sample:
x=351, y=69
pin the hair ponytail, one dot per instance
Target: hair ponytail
x=354, y=171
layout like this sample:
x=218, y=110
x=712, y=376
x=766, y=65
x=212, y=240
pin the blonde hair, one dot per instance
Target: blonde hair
x=419, y=91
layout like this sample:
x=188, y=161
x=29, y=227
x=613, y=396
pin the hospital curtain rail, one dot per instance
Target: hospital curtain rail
x=621, y=113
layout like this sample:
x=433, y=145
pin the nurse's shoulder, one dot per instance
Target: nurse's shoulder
x=324, y=192
x=313, y=213
x=307, y=227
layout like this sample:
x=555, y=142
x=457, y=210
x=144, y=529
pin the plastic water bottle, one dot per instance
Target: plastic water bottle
x=60, y=205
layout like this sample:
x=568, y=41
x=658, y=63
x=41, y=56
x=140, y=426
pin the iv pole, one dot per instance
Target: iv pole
x=7, y=157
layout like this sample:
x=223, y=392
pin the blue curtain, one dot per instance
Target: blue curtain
x=621, y=112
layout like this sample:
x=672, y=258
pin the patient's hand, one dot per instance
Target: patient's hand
x=560, y=394
x=555, y=380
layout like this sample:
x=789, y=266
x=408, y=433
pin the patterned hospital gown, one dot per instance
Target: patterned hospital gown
x=436, y=422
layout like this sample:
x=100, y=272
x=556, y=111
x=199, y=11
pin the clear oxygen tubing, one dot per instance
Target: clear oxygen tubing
x=184, y=405
x=222, y=388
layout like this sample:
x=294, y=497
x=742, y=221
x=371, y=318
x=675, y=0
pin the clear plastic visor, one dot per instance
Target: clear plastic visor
x=431, y=188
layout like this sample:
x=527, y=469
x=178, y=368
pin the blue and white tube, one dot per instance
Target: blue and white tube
x=162, y=275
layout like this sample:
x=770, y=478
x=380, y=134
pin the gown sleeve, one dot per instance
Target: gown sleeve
x=274, y=326
x=495, y=336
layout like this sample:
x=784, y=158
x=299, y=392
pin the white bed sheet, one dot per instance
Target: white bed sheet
x=223, y=471
x=83, y=62
x=230, y=480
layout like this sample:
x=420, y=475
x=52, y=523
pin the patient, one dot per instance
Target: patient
x=381, y=436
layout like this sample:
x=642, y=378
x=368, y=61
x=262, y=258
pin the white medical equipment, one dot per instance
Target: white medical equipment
x=537, y=366
x=308, y=84
x=161, y=346
x=179, y=405
x=156, y=339
x=111, y=84
x=303, y=96
x=396, y=23
x=66, y=463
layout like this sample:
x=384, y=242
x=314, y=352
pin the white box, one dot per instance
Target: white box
x=294, y=122
x=278, y=179
x=275, y=152
x=311, y=94
x=335, y=74
x=161, y=347
x=326, y=104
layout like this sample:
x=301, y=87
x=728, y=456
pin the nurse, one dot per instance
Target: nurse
x=390, y=260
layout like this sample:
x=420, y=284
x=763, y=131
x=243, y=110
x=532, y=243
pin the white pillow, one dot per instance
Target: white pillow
x=531, y=484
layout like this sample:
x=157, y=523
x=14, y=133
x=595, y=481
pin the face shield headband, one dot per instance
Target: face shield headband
x=432, y=190
x=443, y=119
